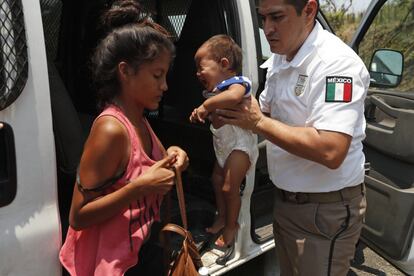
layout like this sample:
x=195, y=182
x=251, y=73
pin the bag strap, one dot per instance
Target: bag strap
x=178, y=187
x=180, y=195
x=188, y=246
x=176, y=229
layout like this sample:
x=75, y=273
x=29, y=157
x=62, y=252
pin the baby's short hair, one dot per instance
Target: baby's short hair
x=223, y=46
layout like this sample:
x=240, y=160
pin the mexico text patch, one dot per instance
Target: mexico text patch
x=338, y=89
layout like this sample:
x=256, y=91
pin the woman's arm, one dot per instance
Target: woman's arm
x=106, y=153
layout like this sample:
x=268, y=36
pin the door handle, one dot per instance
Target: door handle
x=386, y=108
x=8, y=172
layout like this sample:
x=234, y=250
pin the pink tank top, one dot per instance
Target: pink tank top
x=110, y=248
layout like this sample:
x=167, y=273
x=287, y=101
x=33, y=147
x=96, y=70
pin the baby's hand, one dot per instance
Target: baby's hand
x=202, y=113
x=199, y=114
x=193, y=116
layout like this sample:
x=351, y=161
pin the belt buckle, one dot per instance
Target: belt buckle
x=302, y=198
x=299, y=198
x=291, y=196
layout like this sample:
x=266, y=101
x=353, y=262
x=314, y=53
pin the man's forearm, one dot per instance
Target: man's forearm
x=305, y=142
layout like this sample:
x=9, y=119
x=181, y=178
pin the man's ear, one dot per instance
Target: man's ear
x=225, y=63
x=311, y=9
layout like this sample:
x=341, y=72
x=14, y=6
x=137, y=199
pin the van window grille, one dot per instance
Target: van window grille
x=51, y=15
x=171, y=14
x=13, y=52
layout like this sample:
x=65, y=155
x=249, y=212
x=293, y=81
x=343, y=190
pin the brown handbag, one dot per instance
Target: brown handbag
x=188, y=260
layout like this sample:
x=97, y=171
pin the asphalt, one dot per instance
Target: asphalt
x=365, y=263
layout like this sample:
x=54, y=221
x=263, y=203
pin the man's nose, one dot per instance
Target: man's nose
x=268, y=27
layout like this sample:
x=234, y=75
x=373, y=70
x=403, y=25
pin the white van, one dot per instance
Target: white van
x=47, y=107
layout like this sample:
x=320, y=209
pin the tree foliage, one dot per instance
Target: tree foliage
x=392, y=28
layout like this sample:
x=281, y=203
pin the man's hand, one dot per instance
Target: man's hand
x=215, y=121
x=246, y=115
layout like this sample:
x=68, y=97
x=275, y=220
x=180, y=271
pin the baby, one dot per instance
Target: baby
x=219, y=64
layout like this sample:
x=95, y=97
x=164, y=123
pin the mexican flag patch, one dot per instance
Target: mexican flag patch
x=338, y=89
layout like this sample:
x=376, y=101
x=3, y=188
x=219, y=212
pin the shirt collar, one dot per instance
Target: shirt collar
x=277, y=62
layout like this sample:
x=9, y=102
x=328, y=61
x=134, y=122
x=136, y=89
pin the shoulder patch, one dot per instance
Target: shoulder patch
x=338, y=89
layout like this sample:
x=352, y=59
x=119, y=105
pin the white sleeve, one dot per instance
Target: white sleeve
x=336, y=112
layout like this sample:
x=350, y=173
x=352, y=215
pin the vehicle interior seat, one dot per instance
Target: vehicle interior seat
x=184, y=93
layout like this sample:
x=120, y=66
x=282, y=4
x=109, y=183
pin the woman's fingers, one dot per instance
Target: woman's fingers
x=182, y=160
x=168, y=161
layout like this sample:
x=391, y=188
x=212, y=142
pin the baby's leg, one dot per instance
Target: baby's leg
x=235, y=169
x=217, y=179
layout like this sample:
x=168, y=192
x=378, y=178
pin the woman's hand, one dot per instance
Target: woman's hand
x=159, y=178
x=182, y=160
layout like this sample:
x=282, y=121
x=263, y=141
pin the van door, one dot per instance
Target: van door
x=29, y=220
x=389, y=145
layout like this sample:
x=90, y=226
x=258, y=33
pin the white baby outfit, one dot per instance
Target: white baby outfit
x=228, y=137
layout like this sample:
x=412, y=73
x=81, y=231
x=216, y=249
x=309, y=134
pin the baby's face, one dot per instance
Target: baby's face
x=209, y=71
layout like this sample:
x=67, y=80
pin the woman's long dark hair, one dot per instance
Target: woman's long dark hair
x=131, y=38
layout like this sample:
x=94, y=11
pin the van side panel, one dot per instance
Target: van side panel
x=29, y=225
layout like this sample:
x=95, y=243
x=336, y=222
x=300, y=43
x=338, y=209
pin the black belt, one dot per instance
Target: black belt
x=345, y=194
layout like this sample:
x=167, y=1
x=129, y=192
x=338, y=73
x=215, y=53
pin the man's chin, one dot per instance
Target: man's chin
x=276, y=50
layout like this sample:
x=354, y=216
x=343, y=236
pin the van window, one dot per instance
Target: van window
x=8, y=172
x=13, y=54
x=344, y=16
x=392, y=28
x=191, y=23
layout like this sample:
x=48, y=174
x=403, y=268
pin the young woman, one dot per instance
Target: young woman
x=124, y=170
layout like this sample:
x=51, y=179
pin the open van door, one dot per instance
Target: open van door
x=384, y=41
x=29, y=219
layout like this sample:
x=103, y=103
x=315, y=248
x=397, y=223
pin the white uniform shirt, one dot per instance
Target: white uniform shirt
x=323, y=86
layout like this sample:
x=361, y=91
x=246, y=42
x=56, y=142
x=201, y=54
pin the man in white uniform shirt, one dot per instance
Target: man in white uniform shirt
x=312, y=113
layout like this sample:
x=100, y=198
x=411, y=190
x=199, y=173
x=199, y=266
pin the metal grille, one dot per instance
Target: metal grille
x=13, y=52
x=51, y=14
x=170, y=14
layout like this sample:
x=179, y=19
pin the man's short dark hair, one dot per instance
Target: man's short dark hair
x=298, y=4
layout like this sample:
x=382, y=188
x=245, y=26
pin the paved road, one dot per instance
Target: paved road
x=366, y=263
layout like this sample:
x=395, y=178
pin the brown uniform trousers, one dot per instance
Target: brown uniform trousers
x=316, y=234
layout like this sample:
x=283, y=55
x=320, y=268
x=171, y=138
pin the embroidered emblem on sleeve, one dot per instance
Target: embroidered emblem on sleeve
x=301, y=84
x=338, y=89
